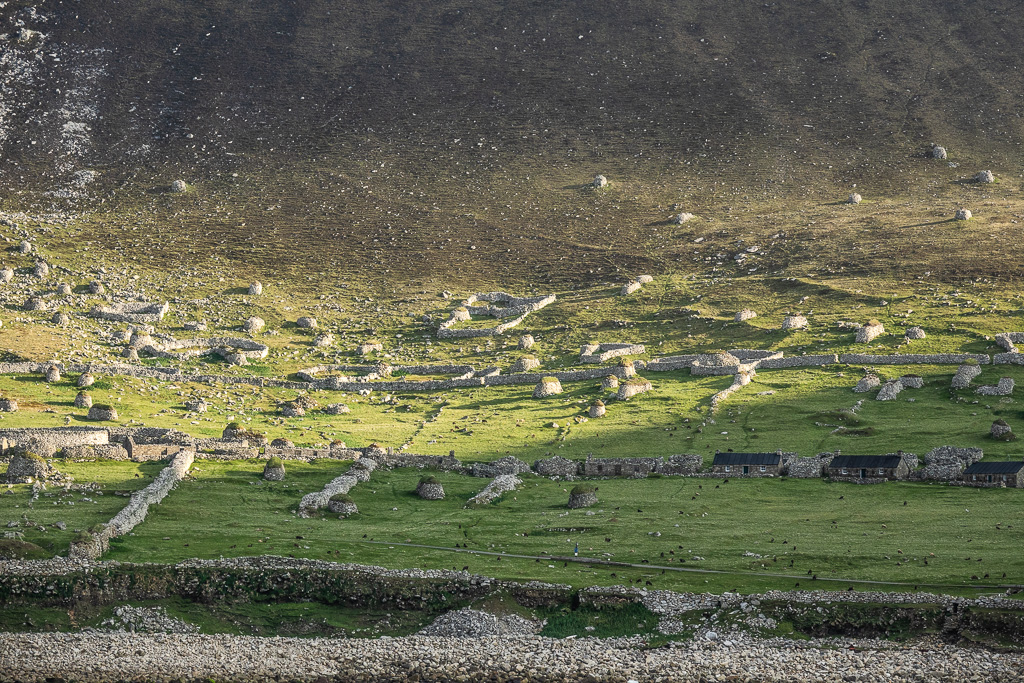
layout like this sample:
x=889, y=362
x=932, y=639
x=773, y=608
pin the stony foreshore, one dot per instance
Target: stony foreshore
x=94, y=657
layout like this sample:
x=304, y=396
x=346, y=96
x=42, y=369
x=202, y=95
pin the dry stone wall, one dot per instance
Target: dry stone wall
x=601, y=353
x=499, y=485
x=911, y=358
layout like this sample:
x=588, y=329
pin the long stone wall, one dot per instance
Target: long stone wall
x=912, y=358
x=815, y=360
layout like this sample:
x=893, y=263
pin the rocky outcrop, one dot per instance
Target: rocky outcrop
x=984, y=177
x=255, y=289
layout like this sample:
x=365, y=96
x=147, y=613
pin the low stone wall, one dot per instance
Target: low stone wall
x=312, y=502
x=557, y=466
x=600, y=353
x=807, y=468
x=1011, y=358
x=58, y=438
x=134, y=513
x=445, y=463
x=798, y=361
x=499, y=485
x=912, y=358
x=506, y=465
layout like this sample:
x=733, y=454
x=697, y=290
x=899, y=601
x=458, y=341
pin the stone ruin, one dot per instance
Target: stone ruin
x=25, y=467
x=500, y=305
x=96, y=287
x=1001, y=431
x=854, y=199
x=1003, y=388
x=794, y=322
x=306, y=322
x=103, y=413
x=610, y=382
x=235, y=350
x=52, y=373
x=889, y=390
x=60, y=318
x=964, y=374
x=336, y=409
x=499, y=485
x=600, y=353
x=366, y=348
x=632, y=387
x=341, y=504
x=506, y=465
x=963, y=215
x=869, y=331
x=809, y=468
x=548, y=386
x=946, y=463
x=984, y=177
x=132, y=312
x=599, y=181
x=912, y=381
x=745, y=314
x=597, y=409
x=582, y=496
x=915, y=333
x=867, y=383
x=35, y=303
x=524, y=364
x=556, y=466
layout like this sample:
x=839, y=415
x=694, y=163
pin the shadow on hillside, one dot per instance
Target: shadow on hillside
x=924, y=225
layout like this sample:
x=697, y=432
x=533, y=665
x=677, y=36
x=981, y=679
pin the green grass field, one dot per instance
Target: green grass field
x=761, y=532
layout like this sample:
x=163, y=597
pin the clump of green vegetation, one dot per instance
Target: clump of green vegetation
x=873, y=322
x=15, y=549
x=625, y=363
x=582, y=489
x=275, y=463
x=82, y=536
x=35, y=457
x=605, y=622
x=599, y=403
x=429, y=479
x=102, y=406
x=341, y=498
x=971, y=361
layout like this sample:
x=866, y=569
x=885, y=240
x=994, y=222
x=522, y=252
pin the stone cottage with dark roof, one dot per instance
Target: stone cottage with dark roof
x=747, y=464
x=868, y=469
x=992, y=474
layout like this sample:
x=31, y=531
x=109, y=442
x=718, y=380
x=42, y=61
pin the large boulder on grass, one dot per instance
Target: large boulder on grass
x=255, y=289
x=745, y=314
x=253, y=324
x=274, y=470
x=526, y=342
x=306, y=322
x=582, y=496
x=430, y=488
x=794, y=322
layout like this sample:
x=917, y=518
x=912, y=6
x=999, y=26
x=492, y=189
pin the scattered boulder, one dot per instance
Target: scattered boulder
x=984, y=177
x=102, y=412
x=368, y=347
x=179, y=186
x=96, y=287
x=336, y=409
x=630, y=287
x=306, y=322
x=597, y=409
x=889, y=391
x=35, y=303
x=60, y=318
x=599, y=181
x=24, y=247
x=915, y=333
x=582, y=496
x=854, y=199
x=52, y=374
x=681, y=218
x=644, y=279
x=610, y=382
x=323, y=340
x=24, y=468
x=430, y=488
x=253, y=324
x=745, y=314
x=1001, y=431
x=794, y=322
x=526, y=342
x=963, y=215
x=41, y=269
x=547, y=386
x=83, y=400
x=195, y=326
x=937, y=152
x=274, y=470
x=871, y=330
x=255, y=289
x=524, y=364
x=7, y=274
x=8, y=405
x=867, y=383
x=290, y=409
x=632, y=387
x=64, y=289
x=342, y=504
x=86, y=379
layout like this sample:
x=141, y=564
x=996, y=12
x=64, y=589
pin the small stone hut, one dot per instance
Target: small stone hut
x=547, y=386
x=274, y=470
x=582, y=496
x=429, y=488
x=25, y=468
x=103, y=412
x=83, y=400
x=597, y=409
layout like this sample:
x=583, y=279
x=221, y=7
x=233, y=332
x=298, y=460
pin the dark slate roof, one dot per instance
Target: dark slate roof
x=995, y=468
x=866, y=461
x=746, y=459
